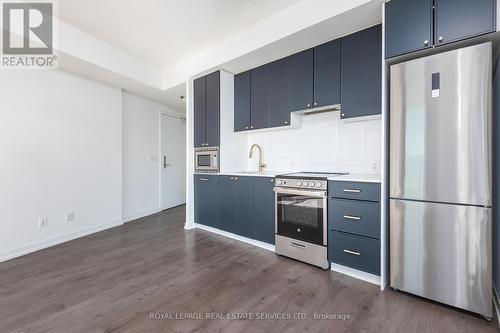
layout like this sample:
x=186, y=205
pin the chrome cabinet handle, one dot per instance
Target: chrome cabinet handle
x=204, y=179
x=251, y=127
x=354, y=253
x=308, y=105
x=351, y=190
x=286, y=122
x=315, y=103
x=164, y=161
x=440, y=39
x=426, y=42
x=236, y=178
x=246, y=127
x=272, y=180
x=351, y=217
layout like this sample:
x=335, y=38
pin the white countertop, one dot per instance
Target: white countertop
x=265, y=173
x=367, y=178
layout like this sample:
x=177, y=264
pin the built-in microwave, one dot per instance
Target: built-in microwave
x=206, y=159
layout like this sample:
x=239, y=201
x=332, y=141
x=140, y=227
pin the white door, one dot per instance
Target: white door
x=173, y=162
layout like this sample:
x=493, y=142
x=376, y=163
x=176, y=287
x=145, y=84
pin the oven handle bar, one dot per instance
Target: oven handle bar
x=314, y=194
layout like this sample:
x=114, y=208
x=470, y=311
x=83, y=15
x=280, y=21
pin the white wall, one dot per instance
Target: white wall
x=323, y=143
x=60, y=144
x=141, y=137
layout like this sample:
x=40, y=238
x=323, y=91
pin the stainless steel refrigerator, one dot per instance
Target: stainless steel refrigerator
x=440, y=178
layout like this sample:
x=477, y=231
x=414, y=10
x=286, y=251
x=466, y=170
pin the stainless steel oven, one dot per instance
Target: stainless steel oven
x=206, y=159
x=301, y=217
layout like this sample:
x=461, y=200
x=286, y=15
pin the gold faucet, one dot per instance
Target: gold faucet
x=261, y=165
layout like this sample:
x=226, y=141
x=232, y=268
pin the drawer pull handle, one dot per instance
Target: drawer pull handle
x=204, y=179
x=354, y=253
x=351, y=190
x=302, y=246
x=351, y=217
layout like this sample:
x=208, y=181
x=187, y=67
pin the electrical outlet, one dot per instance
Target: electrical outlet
x=70, y=216
x=43, y=222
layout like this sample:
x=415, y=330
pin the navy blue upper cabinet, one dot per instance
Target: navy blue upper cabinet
x=301, y=73
x=361, y=74
x=259, y=97
x=413, y=25
x=207, y=110
x=213, y=109
x=242, y=101
x=279, y=93
x=327, y=74
x=460, y=19
x=408, y=26
x=200, y=112
x=206, y=200
x=264, y=209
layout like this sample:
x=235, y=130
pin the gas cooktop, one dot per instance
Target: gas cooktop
x=311, y=175
x=309, y=180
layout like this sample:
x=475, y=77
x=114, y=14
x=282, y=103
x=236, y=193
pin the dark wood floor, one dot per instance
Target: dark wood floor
x=113, y=281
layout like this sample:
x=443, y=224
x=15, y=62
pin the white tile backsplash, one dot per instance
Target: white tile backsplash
x=323, y=143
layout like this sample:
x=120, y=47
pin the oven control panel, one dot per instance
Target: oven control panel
x=302, y=183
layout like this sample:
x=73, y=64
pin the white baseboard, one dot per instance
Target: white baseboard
x=23, y=250
x=375, y=279
x=140, y=215
x=496, y=304
x=250, y=241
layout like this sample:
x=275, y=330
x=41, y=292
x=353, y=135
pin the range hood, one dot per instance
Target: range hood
x=320, y=109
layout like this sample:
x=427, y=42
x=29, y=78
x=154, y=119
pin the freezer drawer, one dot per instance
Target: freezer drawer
x=442, y=252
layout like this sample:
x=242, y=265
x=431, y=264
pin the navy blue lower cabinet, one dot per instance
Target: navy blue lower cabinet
x=206, y=200
x=244, y=194
x=264, y=209
x=357, y=252
x=354, y=190
x=227, y=203
x=355, y=217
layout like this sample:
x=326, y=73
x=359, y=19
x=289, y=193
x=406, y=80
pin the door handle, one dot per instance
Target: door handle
x=354, y=253
x=204, y=179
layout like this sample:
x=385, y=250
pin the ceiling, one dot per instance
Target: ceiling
x=152, y=47
x=165, y=32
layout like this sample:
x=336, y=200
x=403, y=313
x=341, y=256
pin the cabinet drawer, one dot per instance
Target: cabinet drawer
x=357, y=217
x=355, y=251
x=354, y=190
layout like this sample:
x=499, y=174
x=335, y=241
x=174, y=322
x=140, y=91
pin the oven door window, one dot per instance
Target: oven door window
x=204, y=160
x=300, y=217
